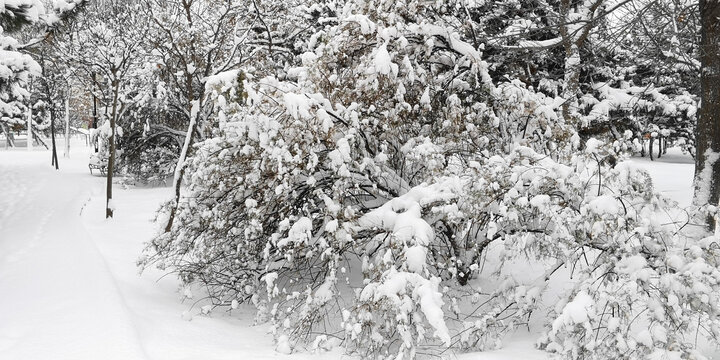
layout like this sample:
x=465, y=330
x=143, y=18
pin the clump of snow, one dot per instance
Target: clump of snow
x=415, y=258
x=702, y=191
x=593, y=145
x=283, y=345
x=300, y=233
x=644, y=337
x=222, y=82
x=577, y=311
x=540, y=201
x=605, y=204
x=297, y=105
x=424, y=291
x=63, y=6
x=367, y=26
x=383, y=63
x=631, y=265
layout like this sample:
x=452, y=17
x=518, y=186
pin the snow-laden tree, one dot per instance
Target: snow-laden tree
x=389, y=193
x=192, y=40
x=104, y=45
x=650, y=87
x=150, y=143
x=16, y=67
x=624, y=79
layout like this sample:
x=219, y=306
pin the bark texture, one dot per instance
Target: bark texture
x=109, y=208
x=707, y=166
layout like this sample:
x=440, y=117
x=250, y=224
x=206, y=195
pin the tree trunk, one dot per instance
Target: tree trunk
x=642, y=145
x=95, y=117
x=67, y=128
x=54, y=161
x=650, y=148
x=180, y=171
x=29, y=144
x=109, y=207
x=707, y=166
x=571, y=84
x=660, y=146
x=195, y=109
x=39, y=139
x=8, y=135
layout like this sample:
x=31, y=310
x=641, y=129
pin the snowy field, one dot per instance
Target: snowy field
x=70, y=289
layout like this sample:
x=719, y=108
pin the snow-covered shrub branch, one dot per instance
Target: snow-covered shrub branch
x=389, y=194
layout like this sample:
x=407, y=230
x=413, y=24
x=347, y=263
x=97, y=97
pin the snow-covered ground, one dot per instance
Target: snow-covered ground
x=69, y=287
x=672, y=174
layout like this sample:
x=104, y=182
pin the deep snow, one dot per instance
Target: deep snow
x=69, y=287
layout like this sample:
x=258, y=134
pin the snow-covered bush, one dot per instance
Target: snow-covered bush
x=149, y=153
x=150, y=163
x=100, y=139
x=387, y=193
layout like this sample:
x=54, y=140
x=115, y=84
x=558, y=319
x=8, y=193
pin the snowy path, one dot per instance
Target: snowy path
x=69, y=287
x=51, y=271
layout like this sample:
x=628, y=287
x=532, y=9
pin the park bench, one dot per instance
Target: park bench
x=97, y=164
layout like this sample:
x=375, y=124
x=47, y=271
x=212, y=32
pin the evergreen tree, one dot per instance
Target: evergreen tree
x=16, y=68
